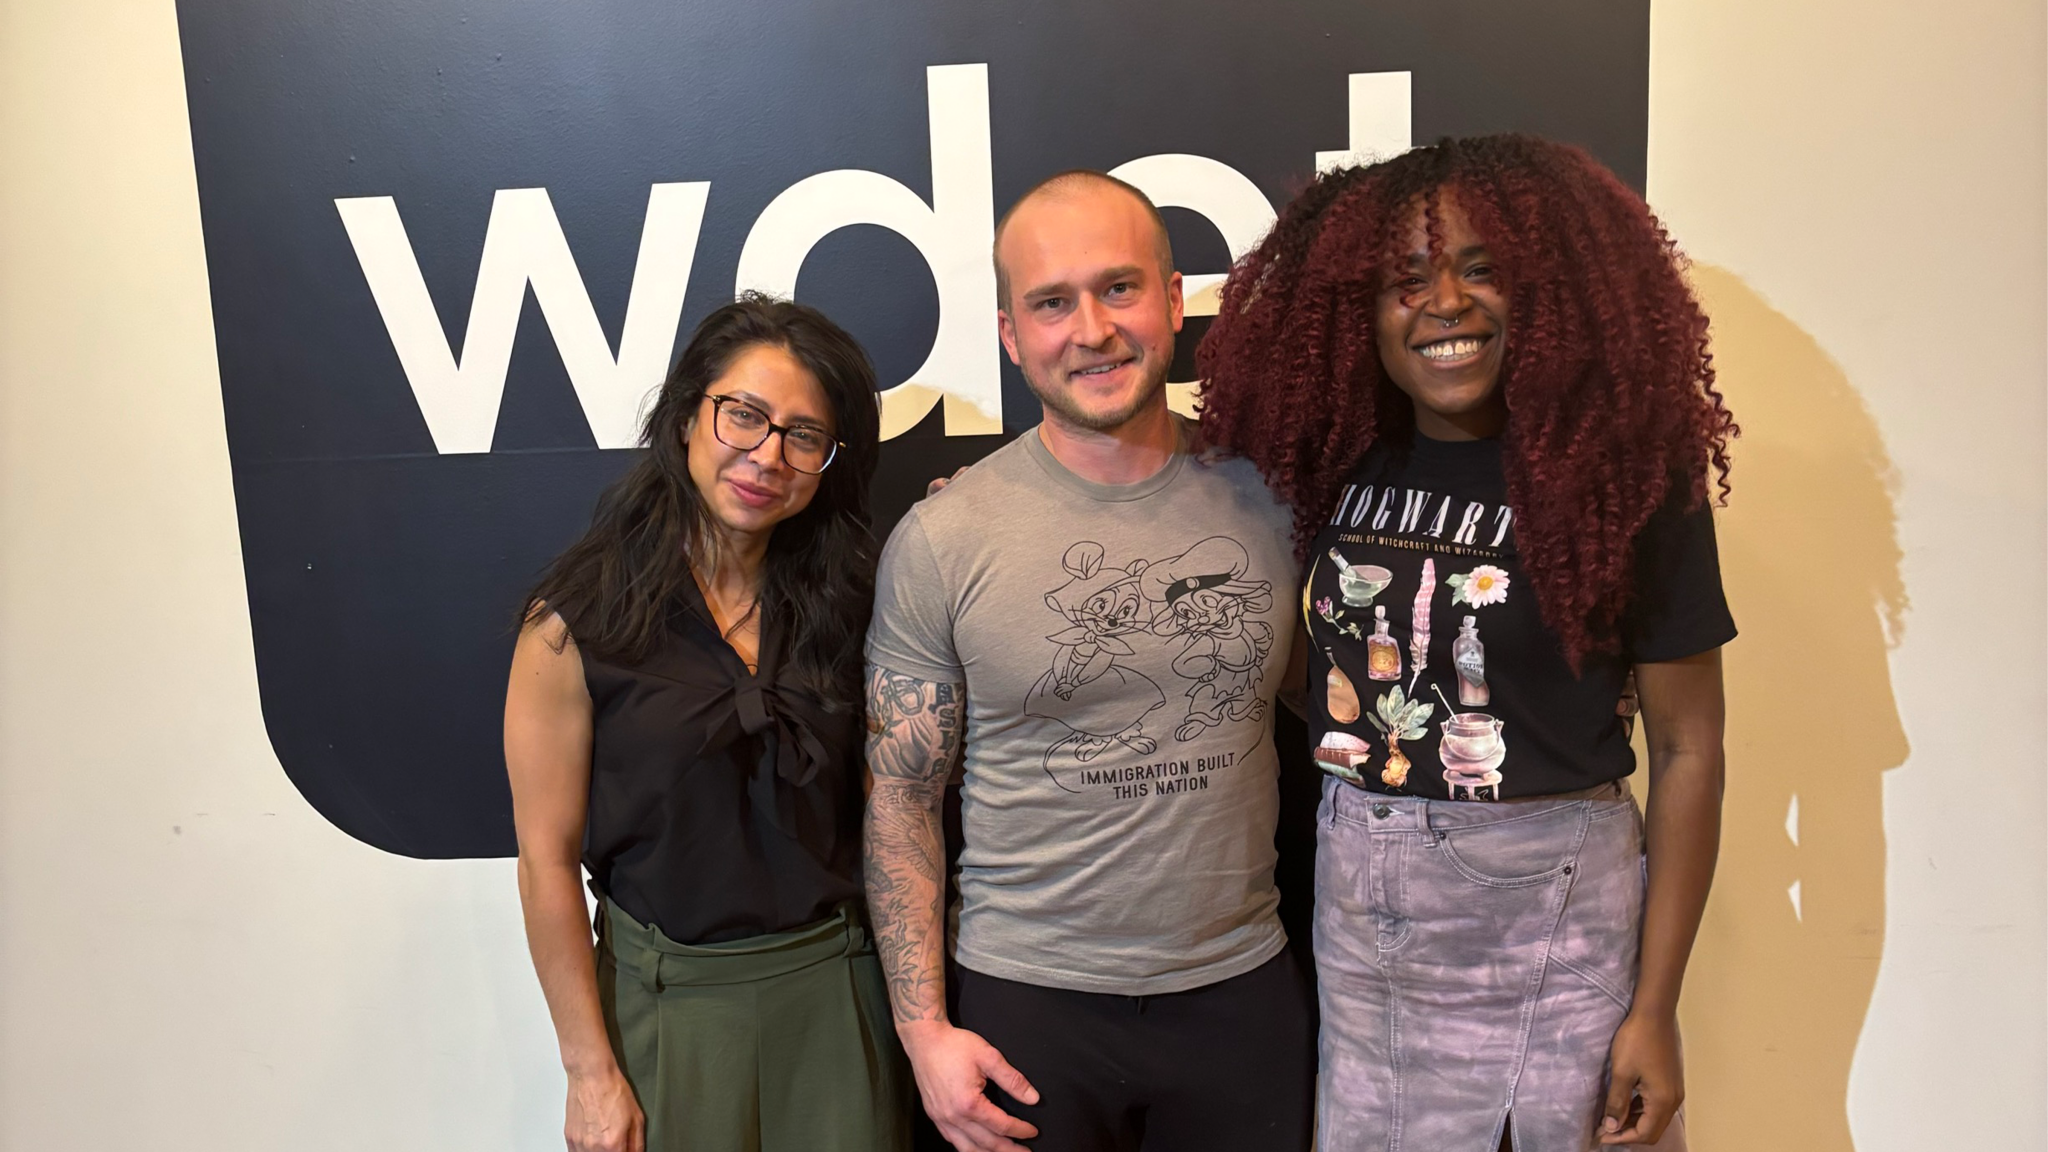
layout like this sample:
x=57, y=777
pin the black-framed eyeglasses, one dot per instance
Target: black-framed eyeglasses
x=740, y=425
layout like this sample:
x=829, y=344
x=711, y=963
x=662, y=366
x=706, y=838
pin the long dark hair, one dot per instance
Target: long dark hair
x=620, y=583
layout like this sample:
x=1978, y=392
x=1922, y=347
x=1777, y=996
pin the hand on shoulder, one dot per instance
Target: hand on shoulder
x=938, y=485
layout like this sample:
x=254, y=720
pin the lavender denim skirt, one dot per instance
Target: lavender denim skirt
x=1474, y=960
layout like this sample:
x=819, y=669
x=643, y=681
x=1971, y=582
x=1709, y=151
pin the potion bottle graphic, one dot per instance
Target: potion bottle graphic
x=1340, y=698
x=1468, y=655
x=1382, y=654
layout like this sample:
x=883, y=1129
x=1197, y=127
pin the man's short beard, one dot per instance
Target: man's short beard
x=1061, y=403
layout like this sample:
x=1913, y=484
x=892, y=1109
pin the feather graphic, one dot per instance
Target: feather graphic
x=1418, y=644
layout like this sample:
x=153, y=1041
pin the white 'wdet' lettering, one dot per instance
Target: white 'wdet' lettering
x=523, y=244
x=1230, y=201
x=1503, y=519
x=1380, y=120
x=954, y=234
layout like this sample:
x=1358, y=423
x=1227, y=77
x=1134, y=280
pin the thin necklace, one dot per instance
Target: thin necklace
x=704, y=589
x=753, y=666
x=744, y=617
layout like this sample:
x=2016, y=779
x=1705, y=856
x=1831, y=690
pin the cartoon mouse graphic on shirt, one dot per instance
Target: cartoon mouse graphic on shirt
x=1100, y=701
x=1202, y=597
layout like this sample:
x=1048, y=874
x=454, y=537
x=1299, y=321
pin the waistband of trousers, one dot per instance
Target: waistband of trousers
x=1381, y=812
x=648, y=955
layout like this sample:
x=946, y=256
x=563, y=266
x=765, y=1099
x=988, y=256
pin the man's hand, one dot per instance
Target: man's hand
x=603, y=1116
x=933, y=488
x=953, y=1066
x=1647, y=1083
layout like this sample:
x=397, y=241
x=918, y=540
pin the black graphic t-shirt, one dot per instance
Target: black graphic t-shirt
x=1430, y=668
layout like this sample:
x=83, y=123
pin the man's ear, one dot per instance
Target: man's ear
x=1174, y=302
x=1006, y=331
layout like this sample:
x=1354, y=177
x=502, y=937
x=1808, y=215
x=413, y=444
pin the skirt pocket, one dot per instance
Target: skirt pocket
x=1518, y=852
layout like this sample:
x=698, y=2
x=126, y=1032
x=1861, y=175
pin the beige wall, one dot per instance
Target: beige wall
x=1862, y=187
x=191, y=958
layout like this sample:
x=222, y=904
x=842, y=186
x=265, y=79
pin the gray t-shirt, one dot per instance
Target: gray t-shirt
x=1121, y=646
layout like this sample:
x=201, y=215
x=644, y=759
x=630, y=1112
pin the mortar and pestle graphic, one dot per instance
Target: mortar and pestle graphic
x=1358, y=584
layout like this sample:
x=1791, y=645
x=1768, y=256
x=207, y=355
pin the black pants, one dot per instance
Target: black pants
x=1226, y=1068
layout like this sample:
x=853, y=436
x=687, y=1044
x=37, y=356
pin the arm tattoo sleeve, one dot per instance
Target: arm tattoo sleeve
x=914, y=731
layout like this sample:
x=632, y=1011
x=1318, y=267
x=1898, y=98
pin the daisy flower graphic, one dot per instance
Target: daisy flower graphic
x=1481, y=586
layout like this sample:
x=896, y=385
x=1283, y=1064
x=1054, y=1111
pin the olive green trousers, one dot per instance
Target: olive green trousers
x=777, y=1043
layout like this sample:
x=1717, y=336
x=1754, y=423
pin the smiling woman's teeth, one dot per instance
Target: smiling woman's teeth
x=1451, y=349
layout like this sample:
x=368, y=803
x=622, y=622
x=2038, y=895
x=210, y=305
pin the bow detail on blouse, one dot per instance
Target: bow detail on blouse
x=796, y=754
x=790, y=757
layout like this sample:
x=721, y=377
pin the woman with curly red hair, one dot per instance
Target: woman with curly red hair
x=1479, y=377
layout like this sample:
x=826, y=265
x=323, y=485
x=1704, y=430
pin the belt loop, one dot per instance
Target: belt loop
x=597, y=914
x=856, y=937
x=1422, y=807
x=642, y=961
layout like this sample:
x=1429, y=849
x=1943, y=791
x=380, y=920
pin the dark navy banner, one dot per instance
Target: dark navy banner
x=453, y=246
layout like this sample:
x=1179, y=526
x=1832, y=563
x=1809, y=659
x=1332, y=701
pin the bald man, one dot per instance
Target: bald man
x=1096, y=620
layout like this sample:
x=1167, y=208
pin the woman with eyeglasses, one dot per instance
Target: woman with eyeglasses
x=683, y=720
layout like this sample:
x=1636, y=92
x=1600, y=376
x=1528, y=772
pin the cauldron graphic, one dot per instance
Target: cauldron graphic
x=1471, y=751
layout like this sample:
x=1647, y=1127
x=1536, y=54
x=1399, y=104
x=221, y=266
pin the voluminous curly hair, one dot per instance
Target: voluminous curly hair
x=1609, y=383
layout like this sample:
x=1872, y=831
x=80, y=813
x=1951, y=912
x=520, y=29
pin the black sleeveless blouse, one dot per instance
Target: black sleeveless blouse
x=723, y=804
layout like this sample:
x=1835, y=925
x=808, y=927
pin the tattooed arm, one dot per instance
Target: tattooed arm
x=915, y=728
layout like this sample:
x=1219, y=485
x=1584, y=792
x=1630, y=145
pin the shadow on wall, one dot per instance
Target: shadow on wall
x=1788, y=954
